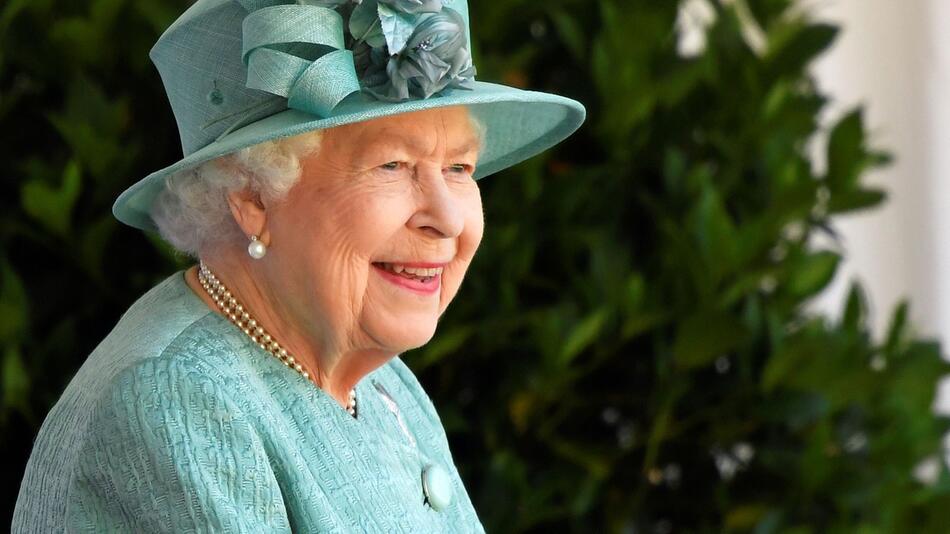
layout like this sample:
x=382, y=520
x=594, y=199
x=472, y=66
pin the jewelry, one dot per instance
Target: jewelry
x=256, y=248
x=236, y=313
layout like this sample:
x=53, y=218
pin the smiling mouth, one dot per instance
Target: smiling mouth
x=425, y=281
x=422, y=274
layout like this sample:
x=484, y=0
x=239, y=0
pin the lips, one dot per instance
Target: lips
x=419, y=277
x=421, y=264
x=410, y=270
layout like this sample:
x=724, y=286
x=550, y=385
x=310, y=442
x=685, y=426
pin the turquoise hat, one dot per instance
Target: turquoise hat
x=241, y=72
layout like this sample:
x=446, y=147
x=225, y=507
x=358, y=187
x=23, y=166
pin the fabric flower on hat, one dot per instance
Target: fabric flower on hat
x=414, y=6
x=389, y=23
x=434, y=57
x=409, y=48
x=332, y=4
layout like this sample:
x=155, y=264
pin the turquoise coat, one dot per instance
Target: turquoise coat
x=178, y=422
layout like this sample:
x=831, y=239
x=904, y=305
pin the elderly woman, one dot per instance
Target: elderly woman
x=329, y=193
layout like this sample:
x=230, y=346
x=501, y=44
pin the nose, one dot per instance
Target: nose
x=440, y=211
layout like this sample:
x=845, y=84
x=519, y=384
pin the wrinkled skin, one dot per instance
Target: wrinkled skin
x=316, y=290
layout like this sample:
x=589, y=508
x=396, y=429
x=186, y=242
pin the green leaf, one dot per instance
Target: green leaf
x=714, y=231
x=705, y=336
x=781, y=364
x=16, y=381
x=855, y=200
x=14, y=305
x=633, y=293
x=443, y=344
x=52, y=207
x=776, y=100
x=748, y=282
x=95, y=237
x=674, y=169
x=796, y=410
x=744, y=517
x=846, y=153
x=159, y=14
x=594, y=463
x=11, y=10
x=812, y=274
x=94, y=125
x=789, y=57
x=582, y=335
x=896, y=332
x=856, y=309
x=641, y=322
x=571, y=33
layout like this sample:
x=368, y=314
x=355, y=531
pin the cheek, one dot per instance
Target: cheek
x=325, y=238
x=468, y=242
x=349, y=224
x=471, y=237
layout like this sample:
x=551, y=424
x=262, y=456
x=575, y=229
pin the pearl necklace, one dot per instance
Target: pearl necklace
x=236, y=313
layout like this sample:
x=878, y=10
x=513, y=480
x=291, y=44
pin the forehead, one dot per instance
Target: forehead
x=418, y=129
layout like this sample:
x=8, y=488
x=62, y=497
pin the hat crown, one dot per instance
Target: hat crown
x=203, y=62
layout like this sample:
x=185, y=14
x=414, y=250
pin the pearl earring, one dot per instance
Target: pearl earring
x=256, y=248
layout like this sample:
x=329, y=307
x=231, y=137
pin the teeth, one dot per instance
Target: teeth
x=417, y=271
x=423, y=272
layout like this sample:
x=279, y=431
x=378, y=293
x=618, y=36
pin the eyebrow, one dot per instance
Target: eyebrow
x=472, y=144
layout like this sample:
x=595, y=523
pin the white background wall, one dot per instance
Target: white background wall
x=886, y=58
x=894, y=58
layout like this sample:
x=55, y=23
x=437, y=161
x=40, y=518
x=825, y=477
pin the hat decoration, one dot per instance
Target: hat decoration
x=315, y=53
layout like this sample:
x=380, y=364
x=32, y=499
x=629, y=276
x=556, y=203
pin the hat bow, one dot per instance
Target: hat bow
x=298, y=52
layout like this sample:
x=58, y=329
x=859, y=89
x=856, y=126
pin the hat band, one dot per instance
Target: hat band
x=298, y=52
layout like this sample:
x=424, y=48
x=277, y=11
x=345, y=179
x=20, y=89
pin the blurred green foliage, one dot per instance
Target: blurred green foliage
x=630, y=351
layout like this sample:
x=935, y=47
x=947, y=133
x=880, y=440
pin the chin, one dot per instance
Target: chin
x=402, y=337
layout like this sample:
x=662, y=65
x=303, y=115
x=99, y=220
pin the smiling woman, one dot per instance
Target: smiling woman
x=340, y=285
x=333, y=208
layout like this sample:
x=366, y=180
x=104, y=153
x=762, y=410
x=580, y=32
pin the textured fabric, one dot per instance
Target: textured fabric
x=177, y=422
x=200, y=61
x=311, y=85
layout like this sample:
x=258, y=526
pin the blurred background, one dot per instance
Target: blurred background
x=894, y=60
x=718, y=307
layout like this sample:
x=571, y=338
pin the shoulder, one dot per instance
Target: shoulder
x=200, y=367
x=154, y=395
x=159, y=318
x=169, y=415
x=168, y=449
x=206, y=348
x=203, y=371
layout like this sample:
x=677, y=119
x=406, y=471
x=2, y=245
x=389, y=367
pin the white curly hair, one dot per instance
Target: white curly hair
x=192, y=211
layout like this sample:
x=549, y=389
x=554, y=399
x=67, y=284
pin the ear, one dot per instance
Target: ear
x=249, y=213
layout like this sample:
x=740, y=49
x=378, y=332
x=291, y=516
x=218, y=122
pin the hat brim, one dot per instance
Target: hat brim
x=518, y=124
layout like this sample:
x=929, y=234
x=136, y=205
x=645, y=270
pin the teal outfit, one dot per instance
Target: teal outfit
x=178, y=422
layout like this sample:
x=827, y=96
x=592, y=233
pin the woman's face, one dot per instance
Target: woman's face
x=379, y=196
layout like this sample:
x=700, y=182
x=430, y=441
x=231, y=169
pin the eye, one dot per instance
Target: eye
x=392, y=165
x=459, y=168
